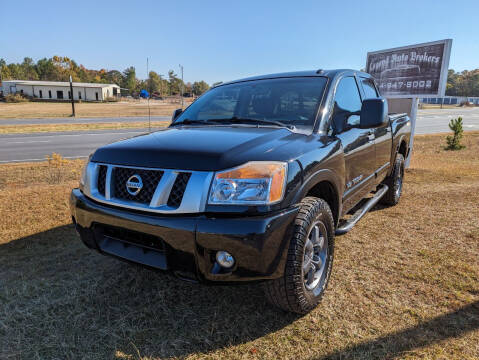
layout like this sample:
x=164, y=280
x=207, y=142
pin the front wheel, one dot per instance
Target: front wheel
x=310, y=259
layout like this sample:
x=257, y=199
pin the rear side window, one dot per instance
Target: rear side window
x=347, y=105
x=369, y=88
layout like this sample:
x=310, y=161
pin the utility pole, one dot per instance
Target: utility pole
x=182, y=87
x=71, y=96
x=161, y=86
x=149, y=88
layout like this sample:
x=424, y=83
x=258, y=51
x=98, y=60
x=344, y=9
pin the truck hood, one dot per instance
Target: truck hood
x=202, y=148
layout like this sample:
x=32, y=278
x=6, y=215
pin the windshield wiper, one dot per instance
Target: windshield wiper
x=240, y=120
x=189, y=122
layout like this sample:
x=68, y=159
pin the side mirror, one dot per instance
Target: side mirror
x=176, y=113
x=374, y=113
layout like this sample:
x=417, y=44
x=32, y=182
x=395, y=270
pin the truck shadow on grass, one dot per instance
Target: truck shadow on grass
x=62, y=300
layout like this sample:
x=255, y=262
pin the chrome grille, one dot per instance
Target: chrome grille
x=164, y=190
x=150, y=178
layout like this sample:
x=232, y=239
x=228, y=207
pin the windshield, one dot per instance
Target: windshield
x=289, y=101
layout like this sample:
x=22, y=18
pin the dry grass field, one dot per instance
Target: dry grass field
x=405, y=281
x=114, y=109
x=22, y=129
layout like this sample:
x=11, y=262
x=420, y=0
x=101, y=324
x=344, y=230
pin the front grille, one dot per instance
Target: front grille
x=160, y=191
x=178, y=190
x=150, y=179
x=133, y=237
x=102, y=179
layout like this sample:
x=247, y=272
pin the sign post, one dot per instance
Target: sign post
x=71, y=96
x=410, y=72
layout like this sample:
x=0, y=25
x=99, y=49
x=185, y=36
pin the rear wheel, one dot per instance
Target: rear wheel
x=310, y=259
x=394, y=182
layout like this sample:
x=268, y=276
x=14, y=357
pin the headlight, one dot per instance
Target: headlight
x=255, y=183
x=84, y=173
x=83, y=176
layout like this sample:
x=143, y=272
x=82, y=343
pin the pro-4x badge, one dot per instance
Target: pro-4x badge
x=354, y=181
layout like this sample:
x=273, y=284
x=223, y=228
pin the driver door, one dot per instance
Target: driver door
x=358, y=144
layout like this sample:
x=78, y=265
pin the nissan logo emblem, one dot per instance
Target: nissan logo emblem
x=134, y=184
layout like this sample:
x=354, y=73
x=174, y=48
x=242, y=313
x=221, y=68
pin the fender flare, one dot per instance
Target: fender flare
x=317, y=177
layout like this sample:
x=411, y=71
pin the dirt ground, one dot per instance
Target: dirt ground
x=405, y=281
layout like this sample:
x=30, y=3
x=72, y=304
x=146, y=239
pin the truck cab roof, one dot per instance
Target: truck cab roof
x=305, y=73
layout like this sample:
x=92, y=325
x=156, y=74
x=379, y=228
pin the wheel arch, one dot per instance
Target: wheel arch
x=403, y=148
x=323, y=184
x=400, y=147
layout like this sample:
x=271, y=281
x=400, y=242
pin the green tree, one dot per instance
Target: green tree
x=130, y=79
x=465, y=83
x=188, y=88
x=47, y=69
x=154, y=82
x=454, y=142
x=199, y=87
x=114, y=77
x=5, y=73
x=28, y=68
x=16, y=71
x=59, y=68
x=174, y=83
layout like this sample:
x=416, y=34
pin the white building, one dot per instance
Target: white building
x=56, y=90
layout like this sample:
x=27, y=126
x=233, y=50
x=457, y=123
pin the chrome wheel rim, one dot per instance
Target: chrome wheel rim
x=315, y=256
x=398, y=182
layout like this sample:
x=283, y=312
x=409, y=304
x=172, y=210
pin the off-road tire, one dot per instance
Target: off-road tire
x=289, y=292
x=394, y=192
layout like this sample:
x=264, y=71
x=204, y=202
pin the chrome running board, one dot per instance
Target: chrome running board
x=349, y=224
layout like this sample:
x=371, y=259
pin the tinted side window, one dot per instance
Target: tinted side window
x=369, y=88
x=346, y=102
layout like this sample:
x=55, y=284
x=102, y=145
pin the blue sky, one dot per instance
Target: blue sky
x=223, y=40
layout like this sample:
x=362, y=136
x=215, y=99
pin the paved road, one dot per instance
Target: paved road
x=34, y=147
x=437, y=120
x=70, y=120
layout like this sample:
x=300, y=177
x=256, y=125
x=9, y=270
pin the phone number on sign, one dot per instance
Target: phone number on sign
x=398, y=85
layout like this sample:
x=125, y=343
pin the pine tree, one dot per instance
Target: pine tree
x=454, y=142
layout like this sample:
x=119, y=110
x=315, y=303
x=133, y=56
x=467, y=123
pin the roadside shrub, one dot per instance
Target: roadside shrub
x=15, y=98
x=56, y=160
x=454, y=142
x=58, y=171
x=111, y=99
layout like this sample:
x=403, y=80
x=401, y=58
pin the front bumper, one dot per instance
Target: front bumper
x=187, y=244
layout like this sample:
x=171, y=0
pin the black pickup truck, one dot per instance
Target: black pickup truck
x=251, y=182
